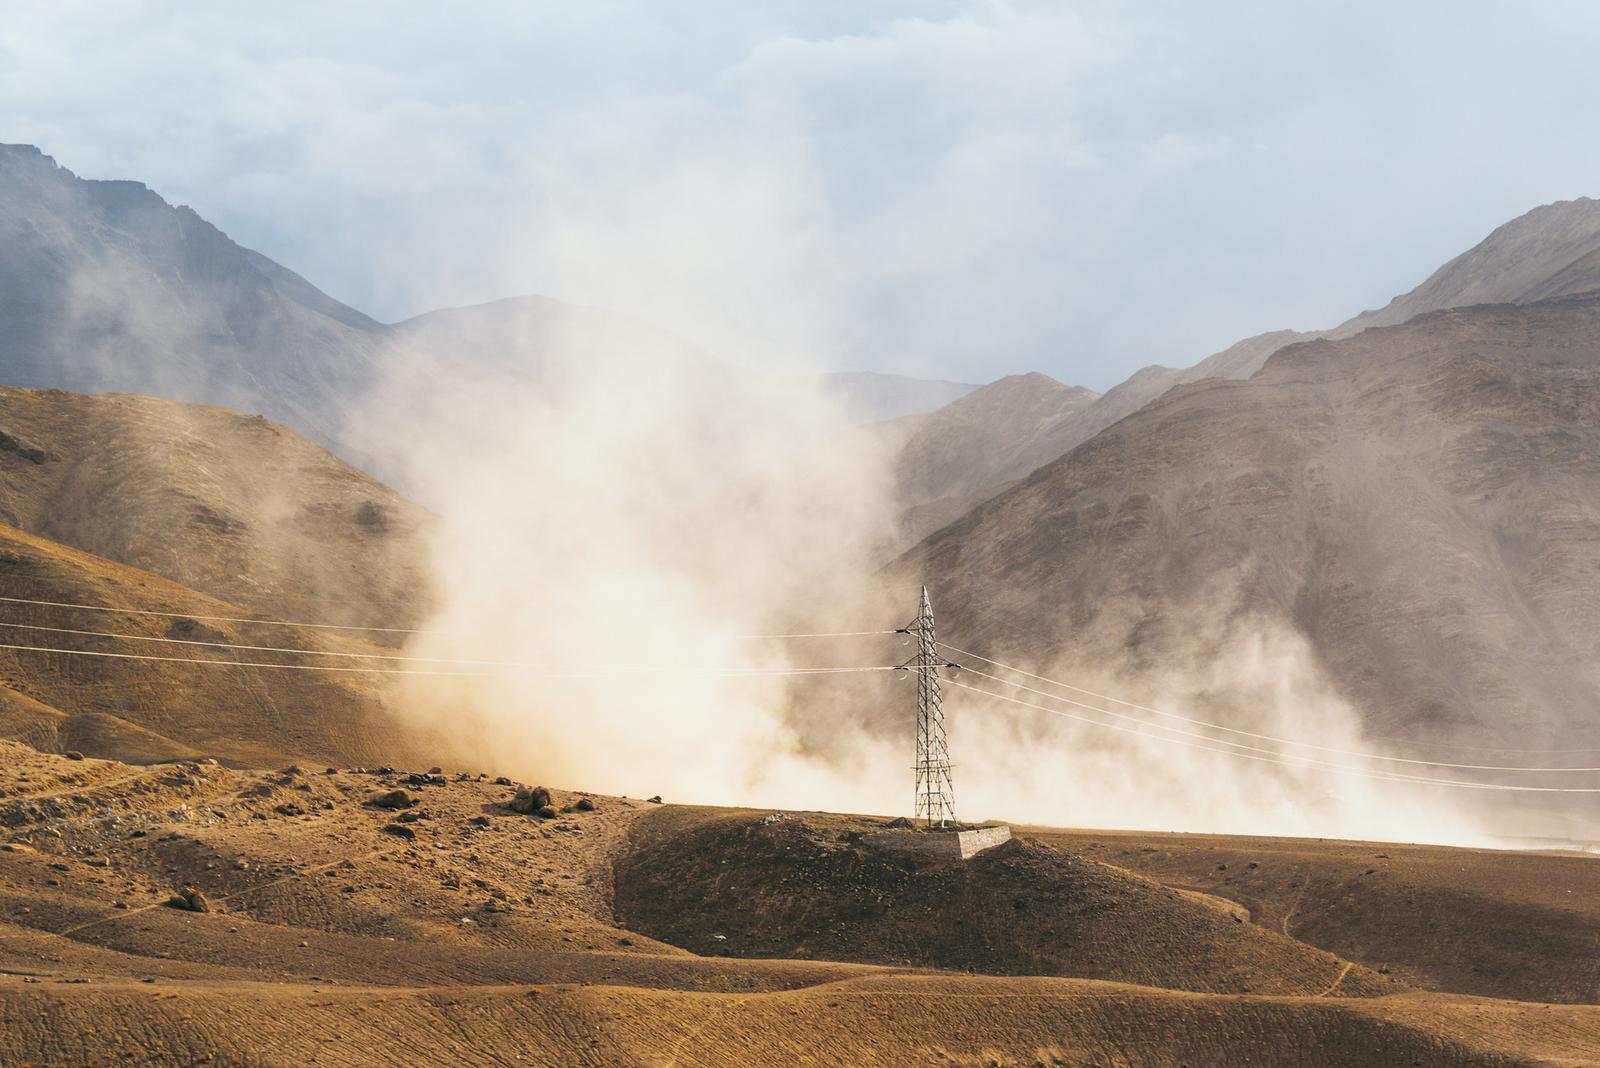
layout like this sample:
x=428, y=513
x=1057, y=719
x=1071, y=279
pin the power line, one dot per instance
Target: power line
x=352, y=627
x=210, y=619
x=1362, y=754
x=319, y=652
x=733, y=673
x=1382, y=776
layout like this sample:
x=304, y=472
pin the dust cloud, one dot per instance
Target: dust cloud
x=621, y=519
x=618, y=520
x=1147, y=771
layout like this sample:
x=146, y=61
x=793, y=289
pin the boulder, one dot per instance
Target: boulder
x=529, y=800
x=394, y=799
x=190, y=899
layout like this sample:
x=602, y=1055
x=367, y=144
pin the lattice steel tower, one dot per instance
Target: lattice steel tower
x=936, y=797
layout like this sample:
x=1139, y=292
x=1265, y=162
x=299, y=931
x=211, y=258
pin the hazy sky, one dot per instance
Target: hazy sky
x=950, y=189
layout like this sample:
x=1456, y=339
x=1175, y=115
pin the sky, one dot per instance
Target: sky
x=949, y=189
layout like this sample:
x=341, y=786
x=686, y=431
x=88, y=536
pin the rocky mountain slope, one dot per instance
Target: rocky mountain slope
x=105, y=286
x=948, y=460
x=1420, y=502
x=230, y=505
x=1551, y=251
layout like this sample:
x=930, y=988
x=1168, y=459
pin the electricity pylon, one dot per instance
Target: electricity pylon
x=936, y=797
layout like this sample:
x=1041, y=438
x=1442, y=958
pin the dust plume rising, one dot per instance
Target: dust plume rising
x=1118, y=765
x=617, y=520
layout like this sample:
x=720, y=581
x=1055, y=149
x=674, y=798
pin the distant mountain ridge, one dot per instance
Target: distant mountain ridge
x=1551, y=251
x=105, y=287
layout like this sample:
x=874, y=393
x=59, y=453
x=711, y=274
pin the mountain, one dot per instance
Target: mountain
x=869, y=397
x=233, y=506
x=1420, y=503
x=1551, y=251
x=948, y=460
x=106, y=287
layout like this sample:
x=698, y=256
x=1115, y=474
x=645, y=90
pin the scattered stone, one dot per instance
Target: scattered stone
x=190, y=899
x=289, y=809
x=73, y=754
x=411, y=817
x=394, y=799
x=401, y=830
x=480, y=821
x=209, y=762
x=530, y=800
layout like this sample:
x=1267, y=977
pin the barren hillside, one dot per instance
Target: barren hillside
x=190, y=913
x=159, y=709
x=1421, y=502
x=1551, y=251
x=230, y=505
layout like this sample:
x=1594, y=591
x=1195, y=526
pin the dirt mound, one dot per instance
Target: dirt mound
x=1475, y=921
x=807, y=887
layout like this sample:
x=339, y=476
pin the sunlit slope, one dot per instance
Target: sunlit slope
x=154, y=709
x=232, y=505
x=482, y=935
x=1476, y=921
x=1421, y=503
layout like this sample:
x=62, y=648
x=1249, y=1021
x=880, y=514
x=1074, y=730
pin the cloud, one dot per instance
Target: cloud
x=962, y=189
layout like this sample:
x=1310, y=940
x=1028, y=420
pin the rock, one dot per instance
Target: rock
x=900, y=823
x=529, y=800
x=73, y=754
x=584, y=804
x=656, y=800
x=546, y=813
x=435, y=771
x=480, y=821
x=501, y=780
x=401, y=830
x=191, y=900
x=394, y=799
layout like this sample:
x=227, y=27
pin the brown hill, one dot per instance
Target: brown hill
x=805, y=887
x=1479, y=921
x=489, y=937
x=1421, y=502
x=230, y=505
x=157, y=710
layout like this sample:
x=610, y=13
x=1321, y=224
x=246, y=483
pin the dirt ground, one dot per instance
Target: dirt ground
x=454, y=930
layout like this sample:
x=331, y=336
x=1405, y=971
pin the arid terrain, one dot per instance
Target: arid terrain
x=452, y=929
x=224, y=841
